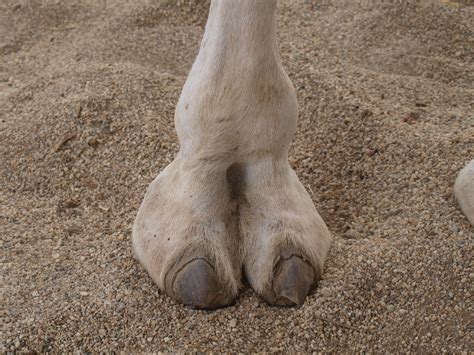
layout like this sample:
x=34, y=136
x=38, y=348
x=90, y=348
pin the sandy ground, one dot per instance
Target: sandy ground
x=87, y=95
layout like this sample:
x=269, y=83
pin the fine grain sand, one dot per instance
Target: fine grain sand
x=87, y=96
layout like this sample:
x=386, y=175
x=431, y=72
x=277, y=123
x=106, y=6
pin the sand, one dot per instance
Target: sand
x=87, y=96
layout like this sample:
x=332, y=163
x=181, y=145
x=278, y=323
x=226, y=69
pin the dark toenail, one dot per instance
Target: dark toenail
x=196, y=285
x=293, y=279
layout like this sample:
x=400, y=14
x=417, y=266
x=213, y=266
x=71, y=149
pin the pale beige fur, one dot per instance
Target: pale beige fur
x=464, y=190
x=231, y=194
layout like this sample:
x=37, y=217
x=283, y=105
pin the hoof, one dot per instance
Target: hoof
x=293, y=279
x=197, y=285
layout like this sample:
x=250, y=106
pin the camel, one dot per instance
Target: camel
x=230, y=206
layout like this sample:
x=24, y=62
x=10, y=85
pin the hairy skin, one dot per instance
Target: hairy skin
x=230, y=201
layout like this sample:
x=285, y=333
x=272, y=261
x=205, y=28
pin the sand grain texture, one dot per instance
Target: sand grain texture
x=87, y=96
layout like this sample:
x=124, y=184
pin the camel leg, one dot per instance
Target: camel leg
x=464, y=190
x=230, y=199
